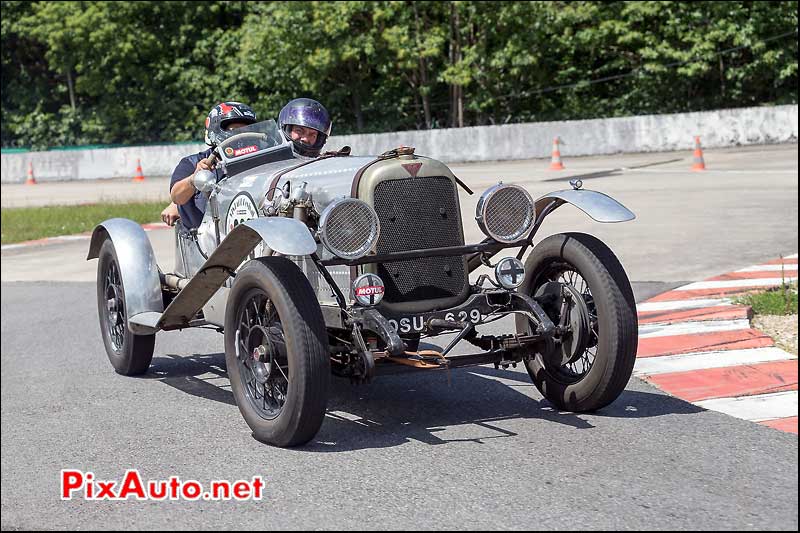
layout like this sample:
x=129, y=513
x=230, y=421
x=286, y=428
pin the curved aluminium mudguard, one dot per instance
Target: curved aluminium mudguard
x=597, y=205
x=137, y=266
x=285, y=236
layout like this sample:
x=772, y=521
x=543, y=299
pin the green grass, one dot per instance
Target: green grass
x=29, y=223
x=778, y=301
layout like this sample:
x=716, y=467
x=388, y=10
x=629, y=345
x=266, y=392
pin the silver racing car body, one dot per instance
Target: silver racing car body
x=342, y=264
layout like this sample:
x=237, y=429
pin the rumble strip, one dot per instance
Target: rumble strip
x=696, y=345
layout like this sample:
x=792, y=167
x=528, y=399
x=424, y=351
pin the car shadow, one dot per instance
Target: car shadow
x=202, y=375
x=434, y=407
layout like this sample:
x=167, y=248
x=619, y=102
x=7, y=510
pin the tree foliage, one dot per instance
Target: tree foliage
x=77, y=73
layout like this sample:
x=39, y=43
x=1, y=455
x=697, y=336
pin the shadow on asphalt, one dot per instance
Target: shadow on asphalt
x=610, y=172
x=469, y=405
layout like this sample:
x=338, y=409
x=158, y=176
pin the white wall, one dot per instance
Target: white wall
x=648, y=133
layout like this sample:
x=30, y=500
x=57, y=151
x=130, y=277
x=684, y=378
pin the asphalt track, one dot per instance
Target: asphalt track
x=479, y=448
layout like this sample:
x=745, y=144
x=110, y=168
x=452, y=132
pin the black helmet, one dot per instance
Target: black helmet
x=222, y=115
x=310, y=114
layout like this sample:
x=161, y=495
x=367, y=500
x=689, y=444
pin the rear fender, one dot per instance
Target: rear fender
x=137, y=265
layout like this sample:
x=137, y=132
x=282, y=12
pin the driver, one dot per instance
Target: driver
x=307, y=124
x=188, y=203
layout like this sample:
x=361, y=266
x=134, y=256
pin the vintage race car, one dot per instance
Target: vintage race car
x=341, y=264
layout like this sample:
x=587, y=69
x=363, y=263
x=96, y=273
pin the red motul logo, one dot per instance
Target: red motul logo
x=369, y=290
x=245, y=150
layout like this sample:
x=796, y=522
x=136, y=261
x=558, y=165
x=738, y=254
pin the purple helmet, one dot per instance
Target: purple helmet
x=310, y=114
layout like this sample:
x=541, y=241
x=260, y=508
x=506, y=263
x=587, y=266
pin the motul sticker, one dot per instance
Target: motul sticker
x=245, y=150
x=369, y=290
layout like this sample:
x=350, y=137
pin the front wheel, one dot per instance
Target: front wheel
x=276, y=352
x=584, y=290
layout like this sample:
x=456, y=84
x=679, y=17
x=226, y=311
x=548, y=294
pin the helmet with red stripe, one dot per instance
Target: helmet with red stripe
x=221, y=117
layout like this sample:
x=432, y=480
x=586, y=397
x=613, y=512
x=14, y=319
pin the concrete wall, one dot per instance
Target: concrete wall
x=102, y=163
x=648, y=133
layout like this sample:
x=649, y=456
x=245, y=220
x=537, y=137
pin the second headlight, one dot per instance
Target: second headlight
x=505, y=213
x=349, y=228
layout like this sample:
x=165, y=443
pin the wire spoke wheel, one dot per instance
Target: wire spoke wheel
x=262, y=359
x=130, y=354
x=276, y=351
x=583, y=288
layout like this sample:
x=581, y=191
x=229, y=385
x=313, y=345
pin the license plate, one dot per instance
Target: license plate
x=416, y=324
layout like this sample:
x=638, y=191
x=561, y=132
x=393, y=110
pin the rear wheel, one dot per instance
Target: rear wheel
x=584, y=289
x=130, y=354
x=276, y=351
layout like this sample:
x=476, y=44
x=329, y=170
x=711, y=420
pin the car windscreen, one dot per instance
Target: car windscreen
x=250, y=140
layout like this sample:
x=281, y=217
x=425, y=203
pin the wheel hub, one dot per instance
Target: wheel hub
x=575, y=339
x=113, y=304
x=567, y=308
x=261, y=354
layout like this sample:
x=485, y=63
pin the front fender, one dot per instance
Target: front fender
x=286, y=236
x=137, y=265
x=597, y=205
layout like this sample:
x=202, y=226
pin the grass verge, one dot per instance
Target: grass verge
x=30, y=223
x=778, y=301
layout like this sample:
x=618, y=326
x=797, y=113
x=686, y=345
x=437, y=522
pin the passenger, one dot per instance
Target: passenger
x=188, y=203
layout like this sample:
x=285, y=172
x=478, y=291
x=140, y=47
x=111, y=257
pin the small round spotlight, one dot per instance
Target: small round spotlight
x=368, y=289
x=509, y=272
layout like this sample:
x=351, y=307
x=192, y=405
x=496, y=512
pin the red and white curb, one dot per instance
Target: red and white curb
x=695, y=344
x=68, y=238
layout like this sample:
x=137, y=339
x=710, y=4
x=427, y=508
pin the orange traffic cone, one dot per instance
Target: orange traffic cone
x=31, y=180
x=555, y=161
x=699, y=163
x=139, y=176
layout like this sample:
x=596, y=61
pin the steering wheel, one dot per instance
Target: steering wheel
x=243, y=135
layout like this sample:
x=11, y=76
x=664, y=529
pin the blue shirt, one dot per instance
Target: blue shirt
x=192, y=211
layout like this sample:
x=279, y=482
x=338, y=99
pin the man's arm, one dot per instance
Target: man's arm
x=170, y=214
x=183, y=190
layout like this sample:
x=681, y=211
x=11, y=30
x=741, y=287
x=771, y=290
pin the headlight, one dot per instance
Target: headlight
x=505, y=213
x=349, y=228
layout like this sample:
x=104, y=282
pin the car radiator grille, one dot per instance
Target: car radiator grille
x=418, y=213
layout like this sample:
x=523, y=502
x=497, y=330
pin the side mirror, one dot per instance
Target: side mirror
x=204, y=181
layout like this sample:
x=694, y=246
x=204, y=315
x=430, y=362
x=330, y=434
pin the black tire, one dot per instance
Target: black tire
x=609, y=297
x=290, y=314
x=130, y=354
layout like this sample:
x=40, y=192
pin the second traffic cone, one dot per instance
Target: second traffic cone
x=555, y=160
x=31, y=180
x=699, y=164
x=139, y=175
